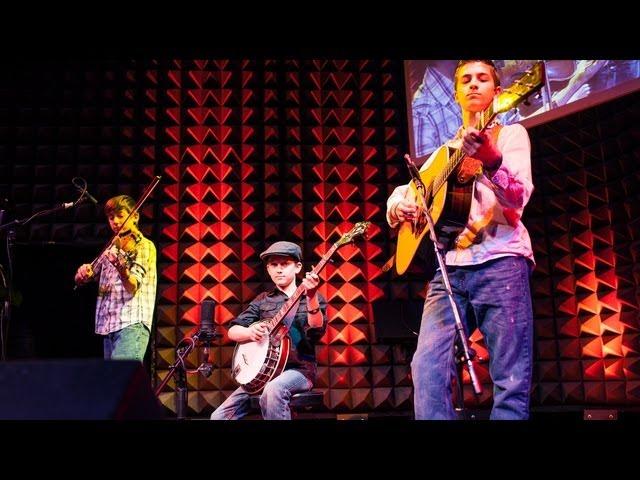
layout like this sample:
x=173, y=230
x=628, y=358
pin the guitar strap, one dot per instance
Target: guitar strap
x=389, y=263
x=469, y=234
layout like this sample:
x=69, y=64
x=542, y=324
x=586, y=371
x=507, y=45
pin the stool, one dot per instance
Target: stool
x=300, y=402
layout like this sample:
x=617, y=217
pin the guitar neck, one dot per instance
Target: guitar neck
x=486, y=117
x=288, y=305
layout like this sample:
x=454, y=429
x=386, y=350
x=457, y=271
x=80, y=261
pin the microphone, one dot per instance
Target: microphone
x=90, y=197
x=81, y=185
x=206, y=333
x=413, y=170
x=206, y=315
x=415, y=176
x=67, y=205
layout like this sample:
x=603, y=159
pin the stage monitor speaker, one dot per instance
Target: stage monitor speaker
x=87, y=389
x=397, y=320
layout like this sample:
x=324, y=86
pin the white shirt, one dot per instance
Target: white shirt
x=497, y=203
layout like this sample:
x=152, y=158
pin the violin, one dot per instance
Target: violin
x=126, y=241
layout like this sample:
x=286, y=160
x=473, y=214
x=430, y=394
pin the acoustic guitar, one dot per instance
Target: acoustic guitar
x=445, y=195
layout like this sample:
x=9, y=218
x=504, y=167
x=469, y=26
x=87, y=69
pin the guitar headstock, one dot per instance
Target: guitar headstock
x=359, y=229
x=531, y=81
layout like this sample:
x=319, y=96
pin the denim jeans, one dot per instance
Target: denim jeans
x=274, y=401
x=496, y=294
x=130, y=343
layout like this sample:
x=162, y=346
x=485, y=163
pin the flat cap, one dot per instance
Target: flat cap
x=286, y=249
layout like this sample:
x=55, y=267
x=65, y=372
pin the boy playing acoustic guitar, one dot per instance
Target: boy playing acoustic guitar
x=489, y=261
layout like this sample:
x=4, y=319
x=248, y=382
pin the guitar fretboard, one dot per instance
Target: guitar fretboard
x=277, y=319
x=521, y=88
x=486, y=117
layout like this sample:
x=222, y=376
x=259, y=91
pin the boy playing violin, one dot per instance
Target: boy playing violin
x=126, y=275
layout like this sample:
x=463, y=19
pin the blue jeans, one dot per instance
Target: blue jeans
x=130, y=343
x=497, y=294
x=274, y=401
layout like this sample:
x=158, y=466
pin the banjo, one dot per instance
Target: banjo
x=256, y=363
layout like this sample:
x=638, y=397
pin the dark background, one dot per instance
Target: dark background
x=253, y=150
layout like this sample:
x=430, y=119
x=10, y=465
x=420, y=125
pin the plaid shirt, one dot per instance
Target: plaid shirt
x=116, y=308
x=436, y=116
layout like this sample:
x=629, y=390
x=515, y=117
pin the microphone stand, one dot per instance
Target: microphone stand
x=465, y=356
x=460, y=359
x=24, y=221
x=5, y=314
x=179, y=370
